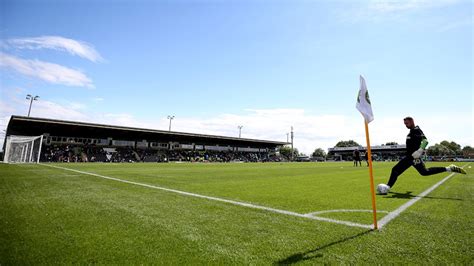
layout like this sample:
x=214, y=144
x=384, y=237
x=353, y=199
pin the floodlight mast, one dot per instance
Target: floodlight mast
x=31, y=98
x=170, y=117
x=292, y=152
x=240, y=130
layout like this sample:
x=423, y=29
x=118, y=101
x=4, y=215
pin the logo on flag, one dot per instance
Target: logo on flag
x=363, y=102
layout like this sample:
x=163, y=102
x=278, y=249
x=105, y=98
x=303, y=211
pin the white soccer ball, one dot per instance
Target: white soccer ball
x=382, y=189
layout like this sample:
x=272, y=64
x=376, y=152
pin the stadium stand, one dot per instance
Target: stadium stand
x=379, y=153
x=70, y=141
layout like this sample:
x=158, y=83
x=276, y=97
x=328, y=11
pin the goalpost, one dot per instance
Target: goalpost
x=23, y=149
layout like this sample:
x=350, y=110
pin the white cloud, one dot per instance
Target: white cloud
x=389, y=10
x=456, y=24
x=43, y=108
x=71, y=46
x=123, y=119
x=97, y=99
x=311, y=130
x=384, y=6
x=6, y=107
x=49, y=72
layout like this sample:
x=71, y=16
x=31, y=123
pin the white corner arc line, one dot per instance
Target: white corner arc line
x=392, y=215
x=244, y=204
x=342, y=210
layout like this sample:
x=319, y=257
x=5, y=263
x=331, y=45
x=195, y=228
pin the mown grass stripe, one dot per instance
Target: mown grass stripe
x=392, y=215
x=244, y=204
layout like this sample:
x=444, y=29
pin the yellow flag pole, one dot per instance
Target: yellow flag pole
x=372, y=189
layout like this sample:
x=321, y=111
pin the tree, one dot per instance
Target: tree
x=348, y=143
x=319, y=153
x=432, y=151
x=286, y=152
x=445, y=148
x=467, y=151
x=439, y=150
x=453, y=146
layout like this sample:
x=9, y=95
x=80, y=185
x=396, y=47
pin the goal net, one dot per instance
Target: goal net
x=23, y=149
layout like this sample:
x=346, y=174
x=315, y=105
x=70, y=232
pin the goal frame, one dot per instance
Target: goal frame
x=27, y=151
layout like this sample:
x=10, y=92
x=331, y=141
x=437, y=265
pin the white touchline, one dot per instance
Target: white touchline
x=392, y=215
x=249, y=205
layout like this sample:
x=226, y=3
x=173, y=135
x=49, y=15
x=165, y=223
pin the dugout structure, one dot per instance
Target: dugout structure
x=382, y=152
x=81, y=133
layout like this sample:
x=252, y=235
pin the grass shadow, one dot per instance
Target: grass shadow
x=315, y=253
x=408, y=195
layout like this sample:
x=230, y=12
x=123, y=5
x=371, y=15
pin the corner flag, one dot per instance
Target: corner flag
x=365, y=108
x=363, y=102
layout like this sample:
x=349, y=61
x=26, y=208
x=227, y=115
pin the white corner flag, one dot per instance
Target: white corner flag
x=364, y=107
x=363, y=102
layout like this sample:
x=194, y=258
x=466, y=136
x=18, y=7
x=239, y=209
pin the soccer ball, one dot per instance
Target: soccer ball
x=382, y=189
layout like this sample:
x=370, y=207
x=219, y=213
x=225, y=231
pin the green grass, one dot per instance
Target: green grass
x=53, y=216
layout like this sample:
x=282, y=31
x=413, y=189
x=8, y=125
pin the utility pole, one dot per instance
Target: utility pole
x=292, y=153
x=170, y=117
x=31, y=98
x=240, y=130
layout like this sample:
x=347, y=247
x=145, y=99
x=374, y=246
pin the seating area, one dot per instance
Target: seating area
x=92, y=153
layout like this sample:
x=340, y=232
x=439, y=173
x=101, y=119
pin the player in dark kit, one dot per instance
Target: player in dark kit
x=357, y=157
x=416, y=143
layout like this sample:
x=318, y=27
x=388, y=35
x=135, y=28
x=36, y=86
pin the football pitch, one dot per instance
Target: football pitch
x=247, y=213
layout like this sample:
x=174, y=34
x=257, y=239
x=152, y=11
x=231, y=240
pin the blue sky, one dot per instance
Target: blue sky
x=266, y=65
